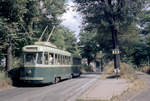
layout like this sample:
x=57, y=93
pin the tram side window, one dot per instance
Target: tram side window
x=76, y=61
x=51, y=58
x=59, y=59
x=39, y=59
x=79, y=61
x=69, y=60
x=56, y=58
x=61, y=56
x=65, y=60
x=46, y=58
x=62, y=60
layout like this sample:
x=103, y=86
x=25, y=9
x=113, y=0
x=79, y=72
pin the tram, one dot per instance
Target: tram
x=44, y=63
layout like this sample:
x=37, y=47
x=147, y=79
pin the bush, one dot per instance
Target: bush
x=2, y=68
x=5, y=81
x=16, y=62
x=126, y=71
x=85, y=68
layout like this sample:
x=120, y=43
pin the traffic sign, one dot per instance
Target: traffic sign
x=115, y=51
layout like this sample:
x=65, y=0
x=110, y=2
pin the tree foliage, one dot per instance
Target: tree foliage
x=22, y=21
x=103, y=13
x=88, y=45
x=113, y=19
x=65, y=39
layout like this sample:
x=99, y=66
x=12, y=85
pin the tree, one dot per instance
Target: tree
x=88, y=45
x=113, y=15
x=11, y=12
x=140, y=53
x=64, y=39
x=145, y=22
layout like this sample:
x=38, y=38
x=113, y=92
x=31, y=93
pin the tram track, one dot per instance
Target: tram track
x=68, y=90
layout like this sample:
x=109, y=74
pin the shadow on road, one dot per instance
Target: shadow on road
x=89, y=75
x=113, y=76
x=30, y=85
x=92, y=73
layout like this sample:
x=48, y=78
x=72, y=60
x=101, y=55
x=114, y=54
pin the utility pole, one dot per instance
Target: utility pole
x=115, y=50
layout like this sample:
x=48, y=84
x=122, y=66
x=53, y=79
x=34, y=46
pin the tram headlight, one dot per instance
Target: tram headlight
x=29, y=72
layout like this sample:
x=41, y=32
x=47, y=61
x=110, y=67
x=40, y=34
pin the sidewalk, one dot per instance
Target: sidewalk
x=105, y=90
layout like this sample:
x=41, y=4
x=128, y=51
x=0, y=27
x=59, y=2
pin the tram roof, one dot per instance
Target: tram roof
x=45, y=47
x=76, y=56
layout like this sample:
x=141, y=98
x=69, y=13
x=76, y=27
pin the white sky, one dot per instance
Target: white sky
x=72, y=19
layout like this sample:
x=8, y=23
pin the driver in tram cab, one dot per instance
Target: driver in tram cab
x=50, y=59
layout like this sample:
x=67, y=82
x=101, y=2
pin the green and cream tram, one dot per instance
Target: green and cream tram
x=43, y=62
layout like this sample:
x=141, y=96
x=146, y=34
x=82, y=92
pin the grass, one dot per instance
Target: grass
x=16, y=62
x=145, y=69
x=126, y=72
x=5, y=81
x=85, y=69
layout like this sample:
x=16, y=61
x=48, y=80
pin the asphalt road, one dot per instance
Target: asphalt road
x=68, y=90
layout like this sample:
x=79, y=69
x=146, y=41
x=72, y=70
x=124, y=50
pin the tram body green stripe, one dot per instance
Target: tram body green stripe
x=46, y=75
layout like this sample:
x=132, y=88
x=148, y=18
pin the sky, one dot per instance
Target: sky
x=72, y=19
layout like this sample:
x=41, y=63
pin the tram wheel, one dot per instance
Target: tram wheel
x=71, y=76
x=57, y=79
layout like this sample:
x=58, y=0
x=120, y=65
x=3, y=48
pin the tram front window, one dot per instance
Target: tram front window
x=30, y=58
x=39, y=59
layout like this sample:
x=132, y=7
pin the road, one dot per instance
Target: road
x=68, y=90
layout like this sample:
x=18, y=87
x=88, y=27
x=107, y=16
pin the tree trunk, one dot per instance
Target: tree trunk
x=115, y=46
x=88, y=61
x=9, y=57
x=101, y=62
